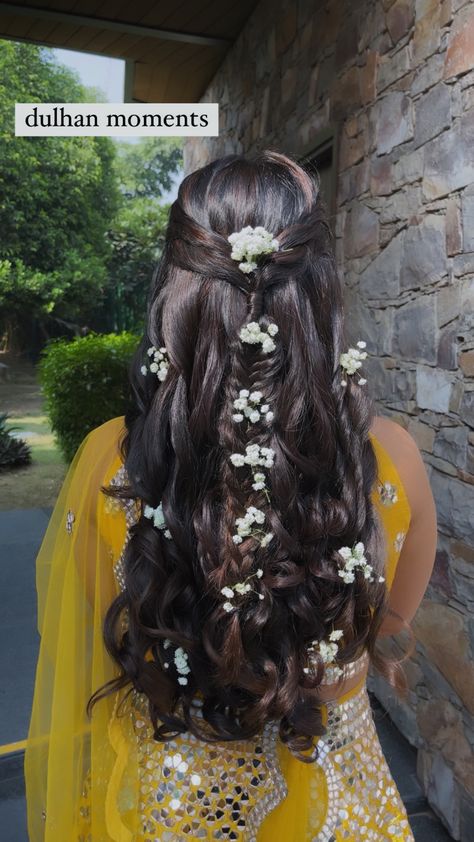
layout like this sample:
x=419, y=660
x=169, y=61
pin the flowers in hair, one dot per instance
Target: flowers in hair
x=160, y=364
x=156, y=515
x=327, y=650
x=240, y=589
x=254, y=455
x=248, y=406
x=180, y=661
x=245, y=527
x=253, y=334
x=352, y=360
x=249, y=244
x=354, y=559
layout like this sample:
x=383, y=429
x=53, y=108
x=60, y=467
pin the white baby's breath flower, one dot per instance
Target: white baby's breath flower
x=237, y=459
x=268, y=345
x=160, y=363
x=251, y=243
x=157, y=516
x=351, y=361
x=254, y=455
x=253, y=334
x=240, y=589
x=354, y=558
x=327, y=651
x=266, y=539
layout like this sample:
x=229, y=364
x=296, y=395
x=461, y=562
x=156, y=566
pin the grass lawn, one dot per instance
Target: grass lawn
x=37, y=484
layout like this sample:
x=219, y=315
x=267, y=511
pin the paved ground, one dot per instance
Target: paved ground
x=21, y=532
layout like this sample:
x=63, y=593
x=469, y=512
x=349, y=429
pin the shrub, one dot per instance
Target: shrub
x=14, y=452
x=85, y=383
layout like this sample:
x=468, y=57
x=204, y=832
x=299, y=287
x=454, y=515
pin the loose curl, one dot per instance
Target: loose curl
x=247, y=665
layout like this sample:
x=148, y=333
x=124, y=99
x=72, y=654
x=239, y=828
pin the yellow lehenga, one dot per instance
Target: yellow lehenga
x=105, y=778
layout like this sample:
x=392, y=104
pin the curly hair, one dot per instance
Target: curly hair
x=247, y=665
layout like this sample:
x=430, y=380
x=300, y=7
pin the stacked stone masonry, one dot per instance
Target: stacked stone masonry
x=396, y=77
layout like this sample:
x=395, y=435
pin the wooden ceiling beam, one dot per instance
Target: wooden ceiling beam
x=115, y=25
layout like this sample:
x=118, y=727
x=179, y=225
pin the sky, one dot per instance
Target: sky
x=102, y=72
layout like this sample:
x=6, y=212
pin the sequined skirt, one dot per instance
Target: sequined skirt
x=258, y=791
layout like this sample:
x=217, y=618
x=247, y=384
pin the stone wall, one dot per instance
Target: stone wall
x=397, y=79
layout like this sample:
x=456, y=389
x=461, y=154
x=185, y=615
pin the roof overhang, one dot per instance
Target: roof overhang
x=172, y=48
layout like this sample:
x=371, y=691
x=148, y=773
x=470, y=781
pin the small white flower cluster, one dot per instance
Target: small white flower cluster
x=180, y=660
x=252, y=334
x=327, y=651
x=157, y=516
x=240, y=588
x=248, y=405
x=250, y=243
x=351, y=361
x=354, y=558
x=254, y=455
x=160, y=364
x=245, y=527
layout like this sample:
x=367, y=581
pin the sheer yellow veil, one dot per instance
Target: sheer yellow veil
x=66, y=749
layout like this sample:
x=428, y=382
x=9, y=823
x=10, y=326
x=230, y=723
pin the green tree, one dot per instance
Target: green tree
x=146, y=171
x=58, y=196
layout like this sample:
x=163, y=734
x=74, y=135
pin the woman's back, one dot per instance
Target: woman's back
x=212, y=590
x=257, y=788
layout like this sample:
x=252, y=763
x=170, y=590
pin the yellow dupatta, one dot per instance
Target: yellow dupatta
x=75, y=585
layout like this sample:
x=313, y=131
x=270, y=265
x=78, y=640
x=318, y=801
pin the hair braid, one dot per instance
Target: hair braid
x=247, y=661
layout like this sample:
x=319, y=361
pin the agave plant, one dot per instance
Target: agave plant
x=14, y=452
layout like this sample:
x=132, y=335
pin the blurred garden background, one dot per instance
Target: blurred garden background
x=82, y=222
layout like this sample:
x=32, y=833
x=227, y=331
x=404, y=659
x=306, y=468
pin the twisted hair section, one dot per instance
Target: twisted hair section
x=247, y=664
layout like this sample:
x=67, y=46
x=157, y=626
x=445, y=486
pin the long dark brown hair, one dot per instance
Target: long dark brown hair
x=247, y=665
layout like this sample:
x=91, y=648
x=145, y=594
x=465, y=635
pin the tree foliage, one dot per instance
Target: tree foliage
x=56, y=193
x=81, y=218
x=145, y=173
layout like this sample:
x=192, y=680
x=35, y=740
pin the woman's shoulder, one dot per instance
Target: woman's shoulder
x=397, y=445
